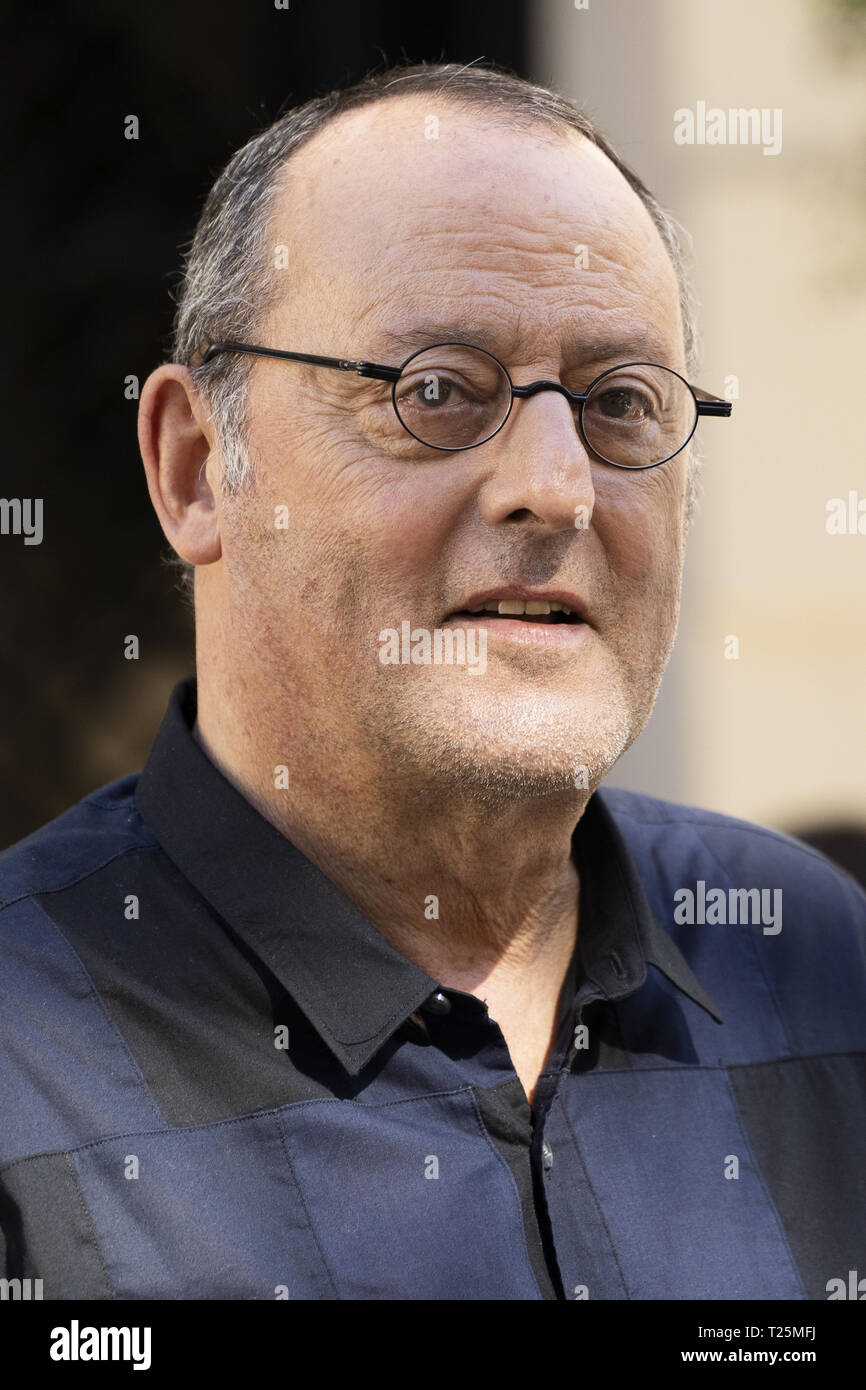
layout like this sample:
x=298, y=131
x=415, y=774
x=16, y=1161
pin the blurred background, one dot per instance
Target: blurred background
x=770, y=726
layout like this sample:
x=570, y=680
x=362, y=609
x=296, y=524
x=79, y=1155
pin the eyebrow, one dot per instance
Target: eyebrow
x=639, y=347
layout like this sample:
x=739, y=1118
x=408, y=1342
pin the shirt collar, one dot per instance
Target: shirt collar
x=355, y=988
x=619, y=934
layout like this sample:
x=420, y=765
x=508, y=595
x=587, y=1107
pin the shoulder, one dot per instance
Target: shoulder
x=66, y=1073
x=772, y=929
x=676, y=846
x=99, y=828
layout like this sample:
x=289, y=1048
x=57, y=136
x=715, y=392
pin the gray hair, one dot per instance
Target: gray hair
x=229, y=284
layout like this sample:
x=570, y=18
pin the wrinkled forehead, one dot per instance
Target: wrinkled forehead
x=415, y=211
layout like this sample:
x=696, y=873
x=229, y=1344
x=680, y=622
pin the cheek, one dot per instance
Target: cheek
x=408, y=527
x=639, y=520
x=397, y=516
x=350, y=509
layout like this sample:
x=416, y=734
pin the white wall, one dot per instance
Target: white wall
x=778, y=735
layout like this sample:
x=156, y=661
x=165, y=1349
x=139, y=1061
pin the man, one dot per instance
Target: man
x=362, y=990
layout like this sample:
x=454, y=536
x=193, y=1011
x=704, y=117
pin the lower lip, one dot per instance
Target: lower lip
x=523, y=633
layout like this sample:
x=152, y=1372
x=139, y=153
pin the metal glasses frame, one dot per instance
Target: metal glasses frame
x=705, y=404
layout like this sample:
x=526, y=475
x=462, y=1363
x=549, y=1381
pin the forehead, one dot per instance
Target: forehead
x=415, y=211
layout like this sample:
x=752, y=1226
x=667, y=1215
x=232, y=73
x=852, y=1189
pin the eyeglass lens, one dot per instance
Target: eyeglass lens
x=455, y=397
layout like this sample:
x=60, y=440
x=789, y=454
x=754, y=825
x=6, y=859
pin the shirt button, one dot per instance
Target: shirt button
x=437, y=1004
x=616, y=965
x=546, y=1156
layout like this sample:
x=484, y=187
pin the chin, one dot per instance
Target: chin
x=506, y=749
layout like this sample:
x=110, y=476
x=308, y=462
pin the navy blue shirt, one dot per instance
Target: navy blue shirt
x=218, y=1080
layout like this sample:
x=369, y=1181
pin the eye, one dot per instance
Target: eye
x=626, y=403
x=430, y=392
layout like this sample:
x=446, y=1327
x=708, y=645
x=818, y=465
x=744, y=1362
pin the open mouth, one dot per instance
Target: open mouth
x=527, y=610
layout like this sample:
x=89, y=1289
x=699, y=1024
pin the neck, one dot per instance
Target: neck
x=481, y=897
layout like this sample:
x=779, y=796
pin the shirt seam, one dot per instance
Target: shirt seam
x=760, y=1176
x=721, y=1066
x=313, y=1232
x=598, y=1207
x=268, y=1111
x=482, y=1128
x=741, y=827
x=88, y=1217
x=432, y=1095
x=112, y=1024
x=80, y=877
x=755, y=952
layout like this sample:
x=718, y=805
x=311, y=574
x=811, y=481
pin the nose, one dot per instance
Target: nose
x=541, y=471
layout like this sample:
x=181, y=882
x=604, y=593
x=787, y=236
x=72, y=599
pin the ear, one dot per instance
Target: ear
x=175, y=436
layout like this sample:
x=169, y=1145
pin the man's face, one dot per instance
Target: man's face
x=391, y=233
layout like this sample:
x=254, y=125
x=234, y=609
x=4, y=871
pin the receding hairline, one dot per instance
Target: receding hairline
x=254, y=178
x=536, y=119
x=551, y=130
x=547, y=127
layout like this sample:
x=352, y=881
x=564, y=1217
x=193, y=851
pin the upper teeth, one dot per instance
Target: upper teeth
x=515, y=606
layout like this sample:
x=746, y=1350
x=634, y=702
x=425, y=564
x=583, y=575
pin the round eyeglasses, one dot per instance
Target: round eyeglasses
x=455, y=396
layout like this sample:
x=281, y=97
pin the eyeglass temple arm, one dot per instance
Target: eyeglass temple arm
x=712, y=405
x=341, y=364
x=707, y=404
